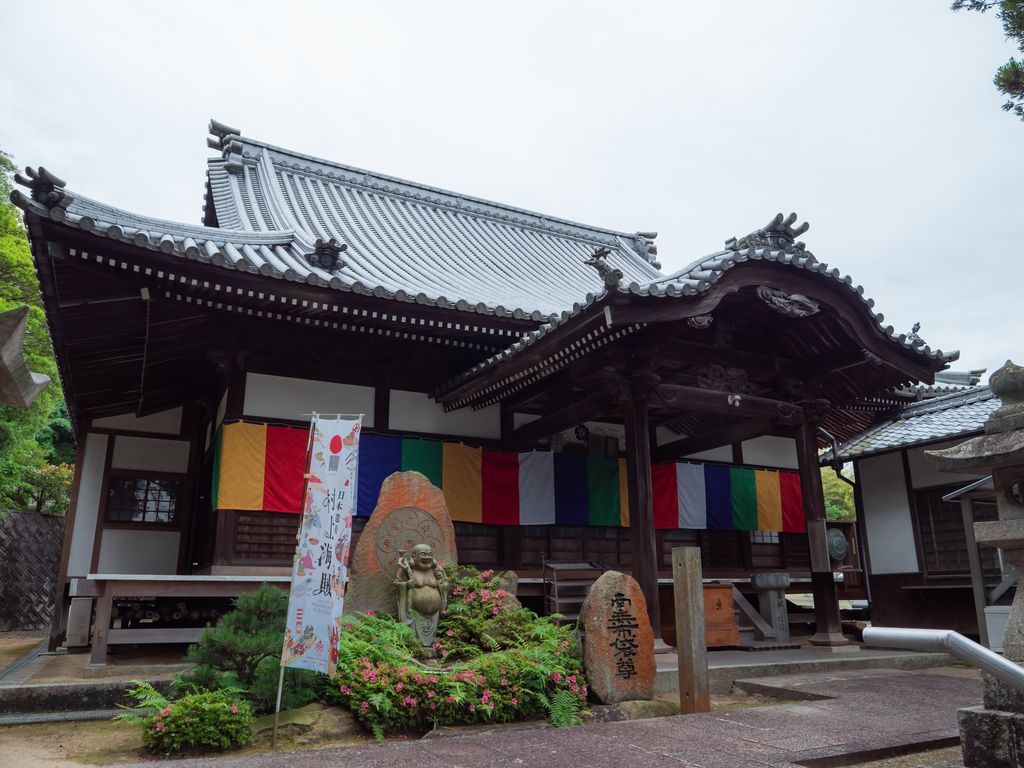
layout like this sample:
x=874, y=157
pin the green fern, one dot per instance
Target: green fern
x=563, y=709
x=147, y=700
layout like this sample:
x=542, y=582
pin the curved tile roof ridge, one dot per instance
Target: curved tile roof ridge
x=696, y=278
x=277, y=253
x=425, y=193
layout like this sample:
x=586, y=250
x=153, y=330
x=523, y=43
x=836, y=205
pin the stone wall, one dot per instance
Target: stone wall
x=30, y=547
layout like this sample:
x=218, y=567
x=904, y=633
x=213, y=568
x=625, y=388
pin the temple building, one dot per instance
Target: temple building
x=573, y=401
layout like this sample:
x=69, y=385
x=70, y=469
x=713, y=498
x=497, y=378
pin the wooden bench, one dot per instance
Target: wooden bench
x=111, y=586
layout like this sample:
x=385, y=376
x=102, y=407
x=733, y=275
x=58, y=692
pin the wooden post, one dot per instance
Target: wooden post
x=641, y=503
x=691, y=647
x=828, y=629
x=101, y=629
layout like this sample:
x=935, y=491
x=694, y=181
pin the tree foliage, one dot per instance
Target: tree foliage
x=1009, y=78
x=30, y=438
x=839, y=503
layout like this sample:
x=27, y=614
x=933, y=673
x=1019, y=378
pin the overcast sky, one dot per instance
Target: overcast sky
x=875, y=121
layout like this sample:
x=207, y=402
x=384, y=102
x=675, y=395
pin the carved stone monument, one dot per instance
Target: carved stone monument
x=771, y=601
x=991, y=734
x=410, y=511
x=618, y=647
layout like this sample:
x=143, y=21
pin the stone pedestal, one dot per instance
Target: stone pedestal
x=771, y=602
x=993, y=734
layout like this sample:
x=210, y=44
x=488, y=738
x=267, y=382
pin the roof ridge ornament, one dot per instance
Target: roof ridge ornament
x=778, y=234
x=327, y=254
x=611, y=276
x=226, y=139
x=913, y=337
x=648, y=250
x=46, y=188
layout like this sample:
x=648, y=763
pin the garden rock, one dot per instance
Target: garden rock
x=618, y=647
x=410, y=510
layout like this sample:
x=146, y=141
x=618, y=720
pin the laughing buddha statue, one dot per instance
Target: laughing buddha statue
x=422, y=593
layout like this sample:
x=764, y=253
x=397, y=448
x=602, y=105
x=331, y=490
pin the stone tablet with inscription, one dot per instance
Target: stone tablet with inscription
x=618, y=647
x=410, y=510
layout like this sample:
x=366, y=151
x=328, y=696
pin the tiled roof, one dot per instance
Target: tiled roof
x=405, y=241
x=700, y=276
x=939, y=418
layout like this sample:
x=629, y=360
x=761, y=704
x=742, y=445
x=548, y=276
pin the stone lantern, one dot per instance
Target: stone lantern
x=991, y=733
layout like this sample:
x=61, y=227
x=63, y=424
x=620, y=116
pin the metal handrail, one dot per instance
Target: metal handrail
x=953, y=643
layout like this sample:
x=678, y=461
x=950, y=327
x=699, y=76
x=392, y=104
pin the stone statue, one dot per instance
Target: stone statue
x=422, y=593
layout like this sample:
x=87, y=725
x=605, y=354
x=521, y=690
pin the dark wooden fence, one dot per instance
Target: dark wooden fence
x=30, y=547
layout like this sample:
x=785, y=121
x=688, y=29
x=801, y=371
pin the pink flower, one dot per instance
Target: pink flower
x=504, y=681
x=372, y=614
x=433, y=705
x=515, y=701
x=433, y=678
x=494, y=610
x=399, y=687
x=450, y=699
x=364, y=706
x=165, y=711
x=159, y=727
x=419, y=678
x=472, y=708
x=234, y=709
x=556, y=676
x=449, y=633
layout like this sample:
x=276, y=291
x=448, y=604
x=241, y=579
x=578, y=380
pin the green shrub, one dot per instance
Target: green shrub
x=206, y=721
x=243, y=652
x=507, y=664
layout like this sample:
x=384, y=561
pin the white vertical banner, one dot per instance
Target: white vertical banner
x=320, y=570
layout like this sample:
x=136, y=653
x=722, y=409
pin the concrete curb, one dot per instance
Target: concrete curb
x=63, y=697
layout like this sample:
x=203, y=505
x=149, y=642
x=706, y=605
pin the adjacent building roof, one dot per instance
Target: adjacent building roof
x=928, y=421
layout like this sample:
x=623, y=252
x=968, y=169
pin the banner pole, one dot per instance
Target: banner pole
x=305, y=482
x=277, y=709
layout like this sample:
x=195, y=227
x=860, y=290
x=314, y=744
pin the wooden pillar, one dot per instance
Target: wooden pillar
x=641, y=503
x=826, y=603
x=691, y=640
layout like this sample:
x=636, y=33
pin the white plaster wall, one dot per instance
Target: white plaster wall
x=664, y=435
x=924, y=475
x=148, y=453
x=282, y=397
x=887, y=514
x=87, y=505
x=164, y=422
x=722, y=453
x=142, y=552
x=518, y=419
x=417, y=412
x=770, y=451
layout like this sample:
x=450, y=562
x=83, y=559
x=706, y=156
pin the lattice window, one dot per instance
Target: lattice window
x=943, y=541
x=143, y=500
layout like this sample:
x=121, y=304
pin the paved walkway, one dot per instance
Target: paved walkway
x=871, y=710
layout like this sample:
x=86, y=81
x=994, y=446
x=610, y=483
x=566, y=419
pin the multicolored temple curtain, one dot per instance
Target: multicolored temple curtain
x=259, y=467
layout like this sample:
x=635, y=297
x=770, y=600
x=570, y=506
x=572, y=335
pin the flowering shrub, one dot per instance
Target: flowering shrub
x=505, y=663
x=210, y=720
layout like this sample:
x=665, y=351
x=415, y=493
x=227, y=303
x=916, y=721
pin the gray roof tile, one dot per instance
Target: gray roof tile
x=946, y=417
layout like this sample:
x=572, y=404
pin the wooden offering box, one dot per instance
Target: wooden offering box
x=719, y=617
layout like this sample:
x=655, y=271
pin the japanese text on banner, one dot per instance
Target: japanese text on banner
x=320, y=570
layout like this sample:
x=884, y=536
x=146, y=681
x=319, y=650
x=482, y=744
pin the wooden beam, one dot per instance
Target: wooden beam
x=677, y=397
x=731, y=433
x=562, y=417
